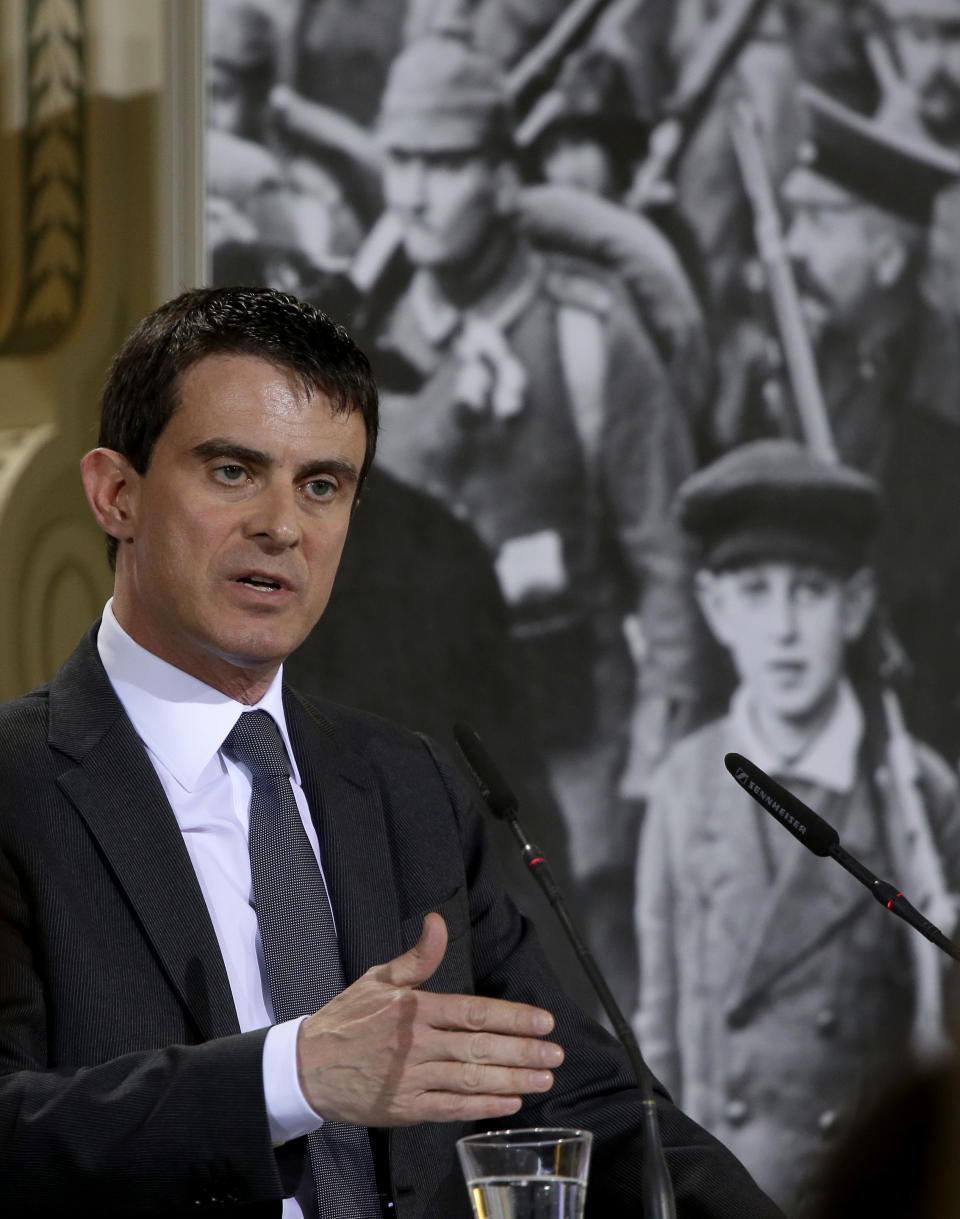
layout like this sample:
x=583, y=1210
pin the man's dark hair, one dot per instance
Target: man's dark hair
x=143, y=386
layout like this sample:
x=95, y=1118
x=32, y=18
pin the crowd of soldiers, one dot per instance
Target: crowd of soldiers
x=664, y=471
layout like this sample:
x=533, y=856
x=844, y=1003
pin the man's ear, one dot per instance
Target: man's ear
x=111, y=485
x=709, y=592
x=507, y=188
x=889, y=256
x=859, y=602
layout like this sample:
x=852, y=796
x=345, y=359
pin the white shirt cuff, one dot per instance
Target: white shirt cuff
x=288, y=1111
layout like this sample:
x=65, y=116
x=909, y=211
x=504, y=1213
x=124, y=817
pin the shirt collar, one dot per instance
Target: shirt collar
x=181, y=720
x=830, y=760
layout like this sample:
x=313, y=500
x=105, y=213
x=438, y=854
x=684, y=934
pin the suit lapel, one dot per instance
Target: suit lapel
x=344, y=799
x=116, y=791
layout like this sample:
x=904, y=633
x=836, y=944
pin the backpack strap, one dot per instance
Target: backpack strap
x=582, y=308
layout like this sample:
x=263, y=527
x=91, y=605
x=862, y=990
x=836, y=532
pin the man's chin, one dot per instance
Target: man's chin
x=430, y=253
x=254, y=654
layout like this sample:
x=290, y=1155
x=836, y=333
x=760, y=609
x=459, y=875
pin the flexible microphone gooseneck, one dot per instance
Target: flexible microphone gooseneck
x=657, y=1188
x=820, y=837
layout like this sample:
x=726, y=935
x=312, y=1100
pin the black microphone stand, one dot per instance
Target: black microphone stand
x=656, y=1186
x=820, y=837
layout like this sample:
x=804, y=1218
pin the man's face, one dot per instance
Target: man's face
x=235, y=103
x=786, y=626
x=926, y=34
x=575, y=160
x=230, y=542
x=446, y=202
x=830, y=243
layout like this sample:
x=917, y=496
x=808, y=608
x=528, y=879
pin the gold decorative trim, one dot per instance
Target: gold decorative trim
x=52, y=253
x=19, y=446
x=64, y=589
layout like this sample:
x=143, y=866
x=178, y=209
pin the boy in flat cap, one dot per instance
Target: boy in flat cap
x=775, y=996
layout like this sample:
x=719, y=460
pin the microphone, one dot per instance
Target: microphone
x=820, y=837
x=656, y=1186
x=802, y=822
x=493, y=786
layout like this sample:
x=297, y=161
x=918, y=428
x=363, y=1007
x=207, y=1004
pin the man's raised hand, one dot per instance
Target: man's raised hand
x=383, y=1053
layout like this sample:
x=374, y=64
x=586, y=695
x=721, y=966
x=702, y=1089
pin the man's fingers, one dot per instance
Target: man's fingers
x=418, y=964
x=495, y=1050
x=477, y=1079
x=479, y=1014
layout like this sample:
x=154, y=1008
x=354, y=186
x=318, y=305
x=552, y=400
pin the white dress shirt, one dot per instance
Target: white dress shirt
x=831, y=759
x=182, y=723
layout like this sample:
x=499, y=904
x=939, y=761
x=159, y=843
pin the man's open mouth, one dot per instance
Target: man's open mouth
x=261, y=583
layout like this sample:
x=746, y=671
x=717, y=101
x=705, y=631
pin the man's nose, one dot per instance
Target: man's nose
x=274, y=518
x=409, y=184
x=783, y=615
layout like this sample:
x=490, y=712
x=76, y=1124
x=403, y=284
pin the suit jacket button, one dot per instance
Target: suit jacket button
x=736, y=1111
x=826, y=1021
x=827, y=1121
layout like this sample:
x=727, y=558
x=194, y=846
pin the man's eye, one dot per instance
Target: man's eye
x=230, y=474
x=320, y=488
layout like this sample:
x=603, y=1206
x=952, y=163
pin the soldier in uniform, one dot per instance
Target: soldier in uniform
x=926, y=40
x=925, y=36
x=860, y=199
x=588, y=133
x=547, y=419
x=241, y=66
x=776, y=997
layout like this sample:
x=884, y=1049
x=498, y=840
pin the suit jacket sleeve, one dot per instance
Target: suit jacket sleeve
x=112, y=1101
x=102, y=1138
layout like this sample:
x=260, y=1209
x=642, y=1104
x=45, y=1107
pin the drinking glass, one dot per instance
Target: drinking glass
x=540, y=1173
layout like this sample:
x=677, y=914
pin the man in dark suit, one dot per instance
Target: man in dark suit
x=170, y=814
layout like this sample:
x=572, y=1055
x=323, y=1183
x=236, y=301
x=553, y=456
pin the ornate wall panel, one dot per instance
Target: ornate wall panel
x=99, y=221
x=43, y=270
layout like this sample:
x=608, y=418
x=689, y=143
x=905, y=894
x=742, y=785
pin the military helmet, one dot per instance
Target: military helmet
x=443, y=95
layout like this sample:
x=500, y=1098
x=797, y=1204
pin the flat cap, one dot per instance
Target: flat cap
x=898, y=171
x=442, y=95
x=591, y=96
x=773, y=500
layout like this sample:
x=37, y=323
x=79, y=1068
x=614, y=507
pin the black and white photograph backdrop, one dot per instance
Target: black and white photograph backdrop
x=663, y=301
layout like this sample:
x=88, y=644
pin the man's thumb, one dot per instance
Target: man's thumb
x=421, y=961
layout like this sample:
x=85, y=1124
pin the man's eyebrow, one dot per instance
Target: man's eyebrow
x=345, y=470
x=210, y=450
x=217, y=447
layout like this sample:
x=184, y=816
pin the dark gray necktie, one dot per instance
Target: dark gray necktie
x=299, y=947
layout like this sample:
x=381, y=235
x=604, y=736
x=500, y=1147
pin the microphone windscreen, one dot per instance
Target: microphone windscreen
x=802, y=822
x=493, y=787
